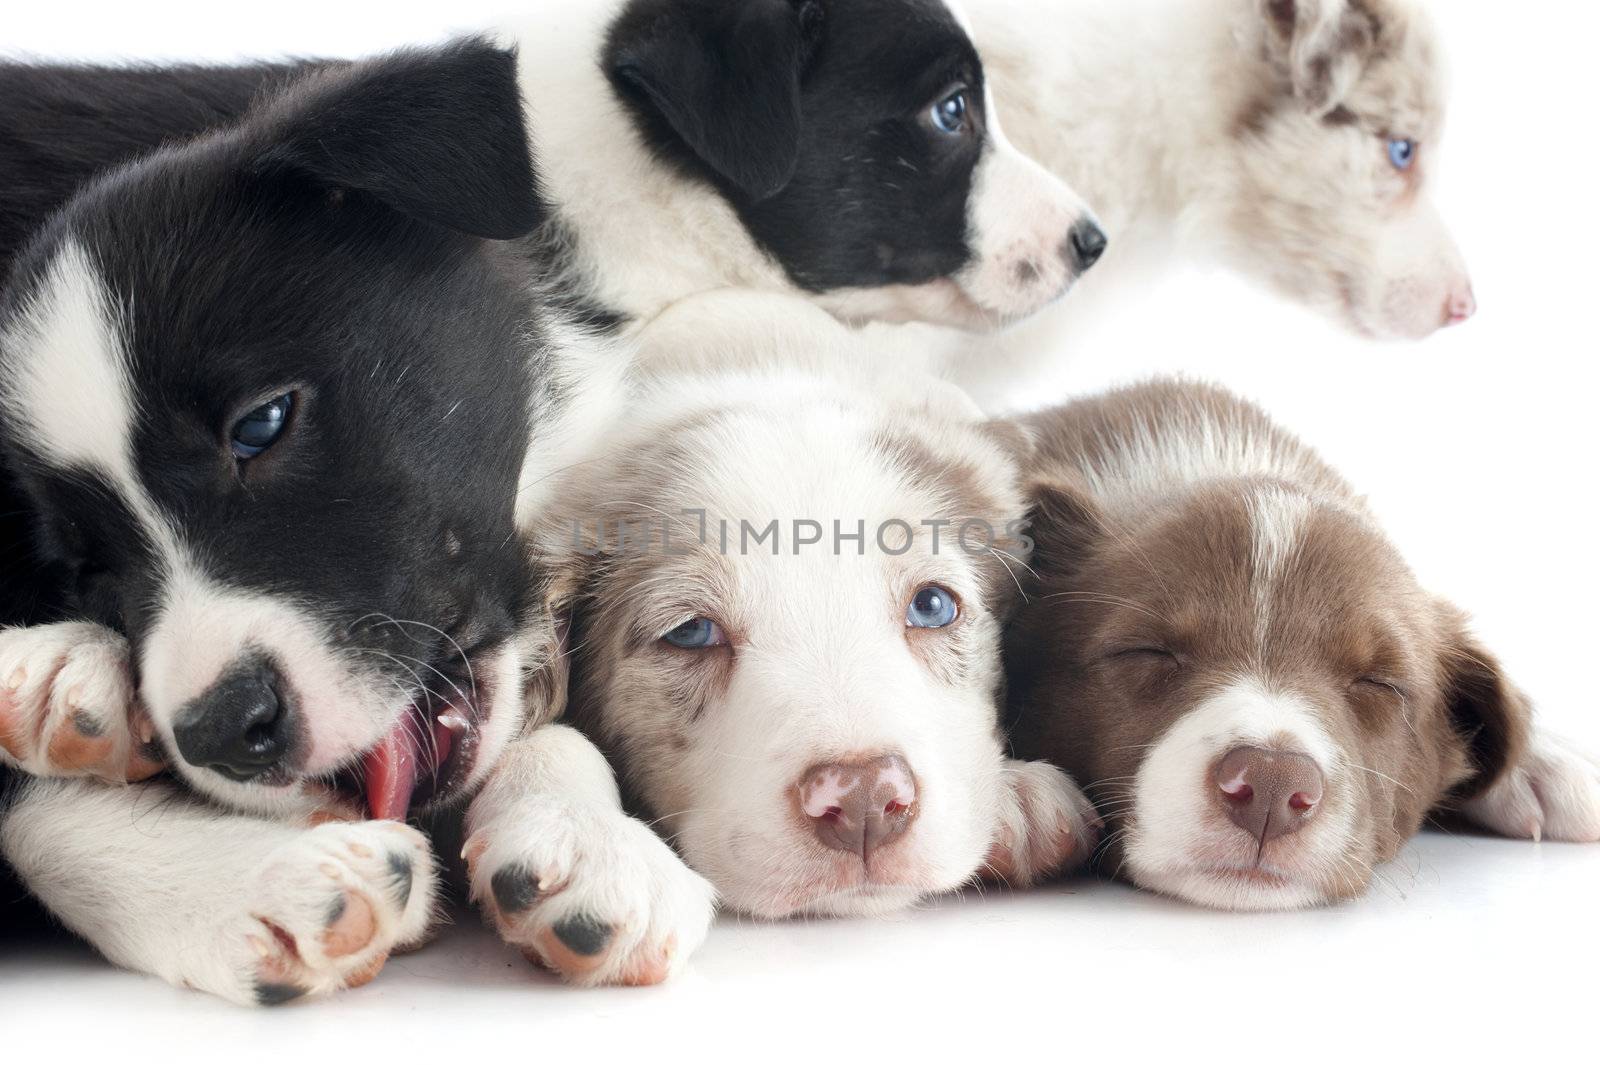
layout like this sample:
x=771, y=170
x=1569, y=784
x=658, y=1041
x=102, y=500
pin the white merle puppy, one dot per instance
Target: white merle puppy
x=785, y=592
x=277, y=405
x=1225, y=648
x=1296, y=141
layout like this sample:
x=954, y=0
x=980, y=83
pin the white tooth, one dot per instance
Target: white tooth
x=454, y=722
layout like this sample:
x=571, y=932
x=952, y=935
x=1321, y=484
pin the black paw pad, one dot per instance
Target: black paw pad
x=404, y=876
x=515, y=889
x=277, y=994
x=583, y=935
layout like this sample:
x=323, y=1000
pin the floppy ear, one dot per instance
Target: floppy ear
x=725, y=77
x=1490, y=715
x=1324, y=44
x=437, y=134
x=1063, y=522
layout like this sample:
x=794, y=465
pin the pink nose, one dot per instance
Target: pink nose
x=1460, y=306
x=859, y=805
x=1268, y=793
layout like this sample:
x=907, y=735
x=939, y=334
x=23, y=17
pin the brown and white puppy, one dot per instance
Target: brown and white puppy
x=786, y=603
x=1227, y=650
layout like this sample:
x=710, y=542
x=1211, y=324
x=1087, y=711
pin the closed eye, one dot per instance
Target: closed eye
x=1388, y=687
x=1148, y=652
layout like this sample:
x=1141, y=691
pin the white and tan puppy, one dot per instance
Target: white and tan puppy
x=1294, y=140
x=785, y=609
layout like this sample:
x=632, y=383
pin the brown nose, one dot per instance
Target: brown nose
x=1268, y=793
x=859, y=805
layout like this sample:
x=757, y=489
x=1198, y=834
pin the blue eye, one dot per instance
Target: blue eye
x=932, y=607
x=1402, y=153
x=260, y=428
x=696, y=633
x=949, y=115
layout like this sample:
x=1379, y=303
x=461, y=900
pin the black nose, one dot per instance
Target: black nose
x=1085, y=244
x=240, y=727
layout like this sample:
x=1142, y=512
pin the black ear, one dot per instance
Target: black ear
x=437, y=134
x=1322, y=44
x=724, y=76
x=1064, y=524
x=1487, y=711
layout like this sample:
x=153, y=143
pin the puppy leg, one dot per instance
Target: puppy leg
x=570, y=879
x=252, y=910
x=1046, y=826
x=67, y=705
x=1552, y=793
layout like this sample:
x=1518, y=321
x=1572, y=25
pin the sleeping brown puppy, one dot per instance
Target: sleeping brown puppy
x=1224, y=648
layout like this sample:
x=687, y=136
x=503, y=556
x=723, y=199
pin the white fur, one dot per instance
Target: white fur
x=551, y=808
x=824, y=669
x=1180, y=843
x=163, y=885
x=67, y=676
x=1135, y=105
x=71, y=396
x=1554, y=793
x=1277, y=515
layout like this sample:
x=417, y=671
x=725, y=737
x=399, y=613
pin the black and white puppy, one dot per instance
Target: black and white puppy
x=277, y=404
x=845, y=151
x=842, y=151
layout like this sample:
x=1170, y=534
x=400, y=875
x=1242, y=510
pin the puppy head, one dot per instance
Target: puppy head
x=810, y=715
x=266, y=396
x=1331, y=161
x=858, y=145
x=1254, y=689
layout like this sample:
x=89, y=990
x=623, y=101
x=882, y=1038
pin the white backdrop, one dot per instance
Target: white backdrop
x=1477, y=447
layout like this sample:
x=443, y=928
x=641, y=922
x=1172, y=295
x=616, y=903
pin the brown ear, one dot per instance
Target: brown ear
x=1322, y=44
x=1063, y=522
x=564, y=567
x=1492, y=717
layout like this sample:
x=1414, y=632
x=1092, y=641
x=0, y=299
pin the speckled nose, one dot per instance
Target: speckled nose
x=859, y=805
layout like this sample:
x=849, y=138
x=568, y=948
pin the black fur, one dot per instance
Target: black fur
x=61, y=125
x=332, y=245
x=810, y=116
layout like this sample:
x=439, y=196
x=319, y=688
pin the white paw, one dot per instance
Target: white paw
x=1554, y=793
x=1046, y=826
x=325, y=910
x=590, y=893
x=67, y=705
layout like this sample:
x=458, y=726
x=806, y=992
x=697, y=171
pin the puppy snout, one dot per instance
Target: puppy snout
x=1268, y=793
x=859, y=805
x=240, y=726
x=1460, y=305
x=1084, y=245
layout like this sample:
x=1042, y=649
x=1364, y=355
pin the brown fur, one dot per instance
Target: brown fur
x=1140, y=559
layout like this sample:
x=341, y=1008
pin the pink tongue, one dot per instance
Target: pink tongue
x=391, y=772
x=392, y=768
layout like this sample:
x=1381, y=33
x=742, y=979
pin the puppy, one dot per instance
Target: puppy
x=280, y=403
x=1294, y=140
x=842, y=152
x=846, y=152
x=1224, y=647
x=785, y=593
